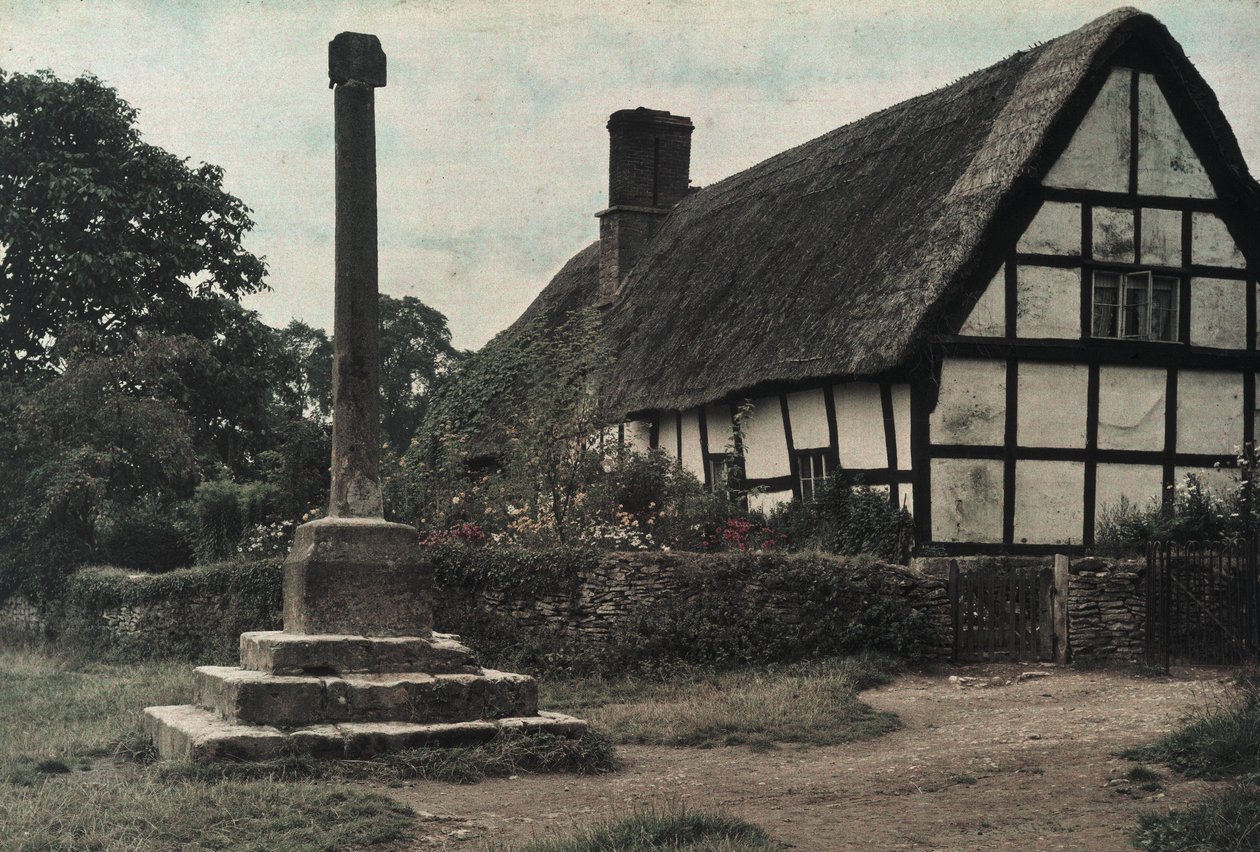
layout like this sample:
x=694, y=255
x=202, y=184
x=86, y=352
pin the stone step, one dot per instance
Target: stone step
x=244, y=695
x=187, y=732
x=277, y=652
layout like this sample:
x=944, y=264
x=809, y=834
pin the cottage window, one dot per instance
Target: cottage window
x=812, y=469
x=719, y=475
x=1135, y=306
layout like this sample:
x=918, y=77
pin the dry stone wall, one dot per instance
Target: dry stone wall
x=1107, y=609
x=594, y=607
x=606, y=598
x=22, y=620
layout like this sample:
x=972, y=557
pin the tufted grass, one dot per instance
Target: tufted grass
x=1221, y=742
x=674, y=828
x=814, y=703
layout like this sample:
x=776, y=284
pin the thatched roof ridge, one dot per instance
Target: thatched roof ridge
x=837, y=257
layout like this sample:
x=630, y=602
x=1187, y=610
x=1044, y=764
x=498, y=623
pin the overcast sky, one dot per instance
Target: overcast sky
x=492, y=152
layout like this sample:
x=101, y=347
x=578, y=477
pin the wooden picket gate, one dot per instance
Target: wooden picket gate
x=1010, y=612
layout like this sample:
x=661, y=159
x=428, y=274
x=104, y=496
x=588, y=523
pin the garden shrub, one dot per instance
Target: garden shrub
x=1195, y=512
x=149, y=536
x=849, y=518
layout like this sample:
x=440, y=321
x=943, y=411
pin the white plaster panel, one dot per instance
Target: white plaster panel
x=1049, y=302
x=971, y=403
x=1051, y=405
x=1209, y=411
x=1098, y=155
x=967, y=500
x=1161, y=237
x=1212, y=244
x=1056, y=229
x=638, y=435
x=693, y=456
x=1137, y=483
x=720, y=428
x=1221, y=481
x=988, y=317
x=860, y=426
x=765, y=445
x=1218, y=313
x=1049, y=506
x=1114, y=234
x=1131, y=408
x=808, y=413
x=1167, y=165
x=901, y=424
x=767, y=502
x=667, y=436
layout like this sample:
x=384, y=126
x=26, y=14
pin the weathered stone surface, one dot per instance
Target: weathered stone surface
x=358, y=57
x=357, y=576
x=193, y=733
x=186, y=732
x=242, y=695
x=277, y=652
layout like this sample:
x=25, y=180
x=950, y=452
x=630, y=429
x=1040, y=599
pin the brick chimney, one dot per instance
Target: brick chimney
x=649, y=160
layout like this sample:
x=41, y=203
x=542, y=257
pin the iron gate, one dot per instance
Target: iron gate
x=1202, y=603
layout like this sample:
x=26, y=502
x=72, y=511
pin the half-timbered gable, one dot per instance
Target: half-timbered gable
x=1010, y=302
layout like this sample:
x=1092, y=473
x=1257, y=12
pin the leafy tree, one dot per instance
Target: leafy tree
x=88, y=447
x=99, y=228
x=415, y=351
x=307, y=383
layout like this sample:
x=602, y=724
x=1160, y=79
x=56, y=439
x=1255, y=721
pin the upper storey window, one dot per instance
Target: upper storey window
x=1135, y=306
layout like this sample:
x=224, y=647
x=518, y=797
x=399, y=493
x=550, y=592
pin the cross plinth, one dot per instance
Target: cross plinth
x=357, y=669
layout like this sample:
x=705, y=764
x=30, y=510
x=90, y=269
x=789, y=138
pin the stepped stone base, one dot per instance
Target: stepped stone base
x=342, y=696
x=241, y=695
x=186, y=732
x=280, y=653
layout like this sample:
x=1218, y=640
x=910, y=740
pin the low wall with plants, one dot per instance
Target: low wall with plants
x=626, y=611
x=25, y=620
x=190, y=613
x=548, y=611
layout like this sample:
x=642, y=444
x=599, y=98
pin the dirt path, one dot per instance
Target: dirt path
x=1024, y=766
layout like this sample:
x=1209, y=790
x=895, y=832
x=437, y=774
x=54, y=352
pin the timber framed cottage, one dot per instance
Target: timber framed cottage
x=1010, y=301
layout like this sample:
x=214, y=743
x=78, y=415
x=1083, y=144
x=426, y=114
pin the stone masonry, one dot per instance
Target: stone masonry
x=357, y=669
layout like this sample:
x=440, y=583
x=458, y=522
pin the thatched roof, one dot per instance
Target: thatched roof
x=838, y=257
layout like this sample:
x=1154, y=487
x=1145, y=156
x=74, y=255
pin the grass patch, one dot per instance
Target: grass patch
x=134, y=812
x=814, y=703
x=1226, y=821
x=60, y=710
x=509, y=753
x=695, y=831
x=1220, y=742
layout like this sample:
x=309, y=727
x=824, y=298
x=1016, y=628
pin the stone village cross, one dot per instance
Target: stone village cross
x=357, y=669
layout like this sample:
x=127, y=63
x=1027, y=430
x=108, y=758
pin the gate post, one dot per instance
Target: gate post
x=1059, y=604
x=955, y=613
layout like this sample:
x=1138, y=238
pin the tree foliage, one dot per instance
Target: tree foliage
x=99, y=228
x=415, y=351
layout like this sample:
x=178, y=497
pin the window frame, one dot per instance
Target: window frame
x=805, y=461
x=1146, y=282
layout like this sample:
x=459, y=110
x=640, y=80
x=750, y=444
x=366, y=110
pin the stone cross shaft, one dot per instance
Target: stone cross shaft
x=356, y=67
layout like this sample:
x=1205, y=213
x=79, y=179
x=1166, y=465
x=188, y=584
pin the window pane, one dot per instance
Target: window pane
x=1106, y=304
x=1136, y=306
x=1164, y=304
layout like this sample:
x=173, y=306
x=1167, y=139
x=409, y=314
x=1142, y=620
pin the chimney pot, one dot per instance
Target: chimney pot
x=649, y=161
